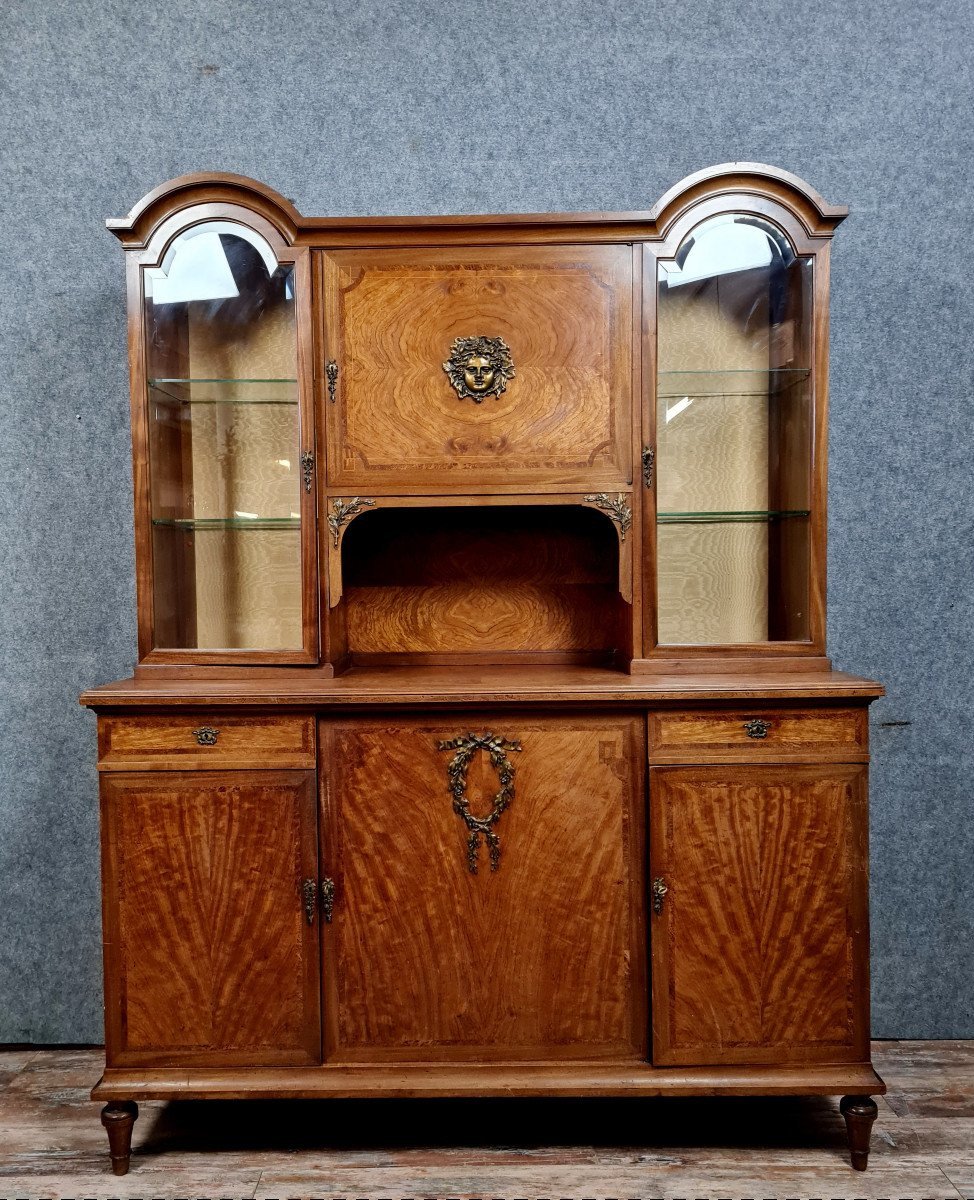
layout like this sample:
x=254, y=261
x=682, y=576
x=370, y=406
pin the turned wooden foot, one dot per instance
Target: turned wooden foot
x=859, y=1113
x=118, y=1119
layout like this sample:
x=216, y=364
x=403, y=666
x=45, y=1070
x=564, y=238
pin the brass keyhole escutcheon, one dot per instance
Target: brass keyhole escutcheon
x=308, y=891
x=327, y=890
x=757, y=728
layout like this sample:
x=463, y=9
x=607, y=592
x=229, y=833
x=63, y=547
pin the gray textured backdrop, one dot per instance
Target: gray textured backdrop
x=471, y=107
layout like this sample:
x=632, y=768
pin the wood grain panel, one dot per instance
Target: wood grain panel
x=209, y=959
x=793, y=734
x=140, y=743
x=542, y=958
x=759, y=952
x=390, y=320
x=455, y=618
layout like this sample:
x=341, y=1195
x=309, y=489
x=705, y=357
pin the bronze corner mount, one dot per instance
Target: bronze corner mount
x=616, y=510
x=342, y=511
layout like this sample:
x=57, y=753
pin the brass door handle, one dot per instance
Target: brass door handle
x=206, y=735
x=659, y=892
x=331, y=374
x=308, y=891
x=757, y=728
x=327, y=889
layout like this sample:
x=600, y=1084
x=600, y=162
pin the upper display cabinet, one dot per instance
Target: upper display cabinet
x=737, y=429
x=227, y=531
x=635, y=403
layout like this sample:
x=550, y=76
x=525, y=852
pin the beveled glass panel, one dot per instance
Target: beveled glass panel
x=224, y=445
x=733, y=437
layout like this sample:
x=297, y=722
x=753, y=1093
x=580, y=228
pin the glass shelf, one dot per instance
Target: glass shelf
x=674, y=385
x=225, y=391
x=719, y=518
x=193, y=524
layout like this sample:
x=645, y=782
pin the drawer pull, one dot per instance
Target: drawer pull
x=327, y=899
x=757, y=728
x=497, y=750
x=308, y=891
x=659, y=892
x=206, y=735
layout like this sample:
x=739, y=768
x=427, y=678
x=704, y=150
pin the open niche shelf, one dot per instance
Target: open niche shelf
x=491, y=584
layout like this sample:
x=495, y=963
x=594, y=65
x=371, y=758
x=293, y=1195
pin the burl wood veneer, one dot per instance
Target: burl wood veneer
x=482, y=740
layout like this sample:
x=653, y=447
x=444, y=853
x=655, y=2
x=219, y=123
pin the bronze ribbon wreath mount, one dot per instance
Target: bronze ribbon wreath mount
x=497, y=748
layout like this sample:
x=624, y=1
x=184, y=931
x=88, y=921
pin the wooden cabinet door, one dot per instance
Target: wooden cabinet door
x=209, y=956
x=396, y=421
x=543, y=957
x=759, y=950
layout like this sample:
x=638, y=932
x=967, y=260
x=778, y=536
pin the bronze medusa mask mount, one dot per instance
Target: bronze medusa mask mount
x=479, y=367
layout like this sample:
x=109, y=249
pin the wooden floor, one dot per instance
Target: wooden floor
x=52, y=1145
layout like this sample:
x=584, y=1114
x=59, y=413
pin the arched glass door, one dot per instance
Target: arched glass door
x=734, y=436
x=224, y=444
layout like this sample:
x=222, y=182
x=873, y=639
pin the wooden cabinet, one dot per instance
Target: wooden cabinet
x=210, y=955
x=759, y=927
x=540, y=951
x=482, y=740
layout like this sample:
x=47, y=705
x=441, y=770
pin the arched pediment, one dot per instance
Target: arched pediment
x=135, y=230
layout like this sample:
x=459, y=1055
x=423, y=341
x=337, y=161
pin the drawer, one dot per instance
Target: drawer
x=759, y=732
x=201, y=740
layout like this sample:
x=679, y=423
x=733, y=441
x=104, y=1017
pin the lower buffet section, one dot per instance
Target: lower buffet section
x=481, y=903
